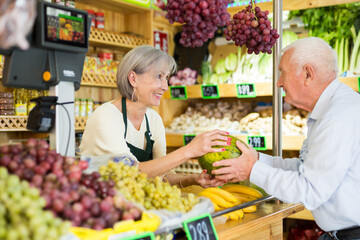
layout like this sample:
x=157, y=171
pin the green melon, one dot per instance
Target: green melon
x=231, y=151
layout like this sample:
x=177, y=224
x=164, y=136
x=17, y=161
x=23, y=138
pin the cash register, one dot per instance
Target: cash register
x=54, y=61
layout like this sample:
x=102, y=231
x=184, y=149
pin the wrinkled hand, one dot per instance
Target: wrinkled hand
x=237, y=169
x=204, y=142
x=205, y=180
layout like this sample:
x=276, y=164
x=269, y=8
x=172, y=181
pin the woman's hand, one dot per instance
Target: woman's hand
x=204, y=142
x=206, y=181
x=237, y=169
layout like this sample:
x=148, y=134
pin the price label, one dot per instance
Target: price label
x=359, y=84
x=142, y=236
x=178, y=92
x=188, y=138
x=210, y=91
x=257, y=142
x=245, y=90
x=200, y=228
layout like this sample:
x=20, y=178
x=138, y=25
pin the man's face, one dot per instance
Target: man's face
x=292, y=83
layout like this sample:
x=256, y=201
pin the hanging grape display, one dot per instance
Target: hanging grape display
x=251, y=27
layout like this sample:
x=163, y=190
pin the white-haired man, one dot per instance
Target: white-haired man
x=326, y=176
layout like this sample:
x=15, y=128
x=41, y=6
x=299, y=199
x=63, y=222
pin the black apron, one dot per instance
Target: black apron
x=140, y=154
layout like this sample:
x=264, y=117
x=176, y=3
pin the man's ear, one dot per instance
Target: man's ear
x=309, y=74
x=132, y=78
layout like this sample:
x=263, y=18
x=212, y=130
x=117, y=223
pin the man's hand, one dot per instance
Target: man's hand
x=237, y=169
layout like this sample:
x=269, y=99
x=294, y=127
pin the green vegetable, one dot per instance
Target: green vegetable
x=220, y=67
x=231, y=62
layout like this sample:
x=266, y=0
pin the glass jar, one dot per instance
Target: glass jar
x=70, y=3
x=77, y=107
x=92, y=16
x=82, y=111
x=89, y=107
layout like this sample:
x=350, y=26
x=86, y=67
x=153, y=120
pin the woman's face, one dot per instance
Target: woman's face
x=152, y=85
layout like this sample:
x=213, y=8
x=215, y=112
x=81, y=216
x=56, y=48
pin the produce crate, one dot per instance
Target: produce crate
x=191, y=166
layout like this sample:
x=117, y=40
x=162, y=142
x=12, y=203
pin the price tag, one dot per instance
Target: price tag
x=200, y=228
x=245, y=90
x=210, y=91
x=178, y=92
x=141, y=236
x=257, y=142
x=188, y=138
x=359, y=84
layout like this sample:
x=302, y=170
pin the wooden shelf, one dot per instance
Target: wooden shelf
x=262, y=89
x=119, y=6
x=294, y=5
x=289, y=142
x=18, y=123
x=126, y=42
x=98, y=80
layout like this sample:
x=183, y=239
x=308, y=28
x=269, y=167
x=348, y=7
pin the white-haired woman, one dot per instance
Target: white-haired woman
x=129, y=125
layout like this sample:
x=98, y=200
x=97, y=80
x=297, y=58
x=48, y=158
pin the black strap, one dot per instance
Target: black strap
x=124, y=112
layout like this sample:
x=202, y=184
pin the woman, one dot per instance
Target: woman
x=129, y=125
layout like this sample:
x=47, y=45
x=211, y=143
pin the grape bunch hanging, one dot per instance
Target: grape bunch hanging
x=201, y=18
x=251, y=27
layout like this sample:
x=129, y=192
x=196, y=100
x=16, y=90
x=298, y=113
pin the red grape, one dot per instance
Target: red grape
x=258, y=36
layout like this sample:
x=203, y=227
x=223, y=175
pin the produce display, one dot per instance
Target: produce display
x=200, y=18
x=152, y=193
x=230, y=196
x=183, y=77
x=231, y=151
x=339, y=26
x=237, y=118
x=21, y=212
x=69, y=194
x=251, y=27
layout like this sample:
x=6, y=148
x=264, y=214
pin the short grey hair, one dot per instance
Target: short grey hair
x=314, y=51
x=140, y=60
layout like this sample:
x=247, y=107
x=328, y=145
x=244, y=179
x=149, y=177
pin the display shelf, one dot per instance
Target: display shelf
x=98, y=80
x=288, y=142
x=102, y=38
x=80, y=123
x=119, y=6
x=18, y=123
x=262, y=89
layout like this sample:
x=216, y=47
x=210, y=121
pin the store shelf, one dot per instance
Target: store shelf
x=289, y=142
x=18, y=123
x=262, y=89
x=119, y=6
x=102, y=38
x=98, y=80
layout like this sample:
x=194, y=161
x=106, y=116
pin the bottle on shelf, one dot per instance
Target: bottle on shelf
x=20, y=102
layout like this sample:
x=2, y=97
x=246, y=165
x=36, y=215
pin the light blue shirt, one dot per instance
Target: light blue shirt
x=326, y=176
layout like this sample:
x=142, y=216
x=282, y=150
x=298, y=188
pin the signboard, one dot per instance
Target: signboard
x=141, y=236
x=257, y=142
x=200, y=228
x=178, y=92
x=161, y=40
x=210, y=91
x=245, y=90
x=188, y=138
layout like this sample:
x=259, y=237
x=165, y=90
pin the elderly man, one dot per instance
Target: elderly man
x=326, y=176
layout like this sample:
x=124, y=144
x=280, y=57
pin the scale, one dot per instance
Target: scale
x=54, y=61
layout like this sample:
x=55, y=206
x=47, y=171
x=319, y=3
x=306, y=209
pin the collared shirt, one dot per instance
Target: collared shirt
x=326, y=176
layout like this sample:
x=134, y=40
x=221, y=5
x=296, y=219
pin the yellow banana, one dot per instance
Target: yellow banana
x=217, y=208
x=215, y=199
x=224, y=194
x=236, y=215
x=243, y=197
x=250, y=209
x=238, y=188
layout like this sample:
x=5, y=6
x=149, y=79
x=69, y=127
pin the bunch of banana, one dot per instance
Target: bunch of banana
x=148, y=222
x=220, y=198
x=235, y=215
x=244, y=194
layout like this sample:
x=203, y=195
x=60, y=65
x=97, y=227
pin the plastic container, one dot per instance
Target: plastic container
x=77, y=107
x=100, y=20
x=82, y=111
x=70, y=3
